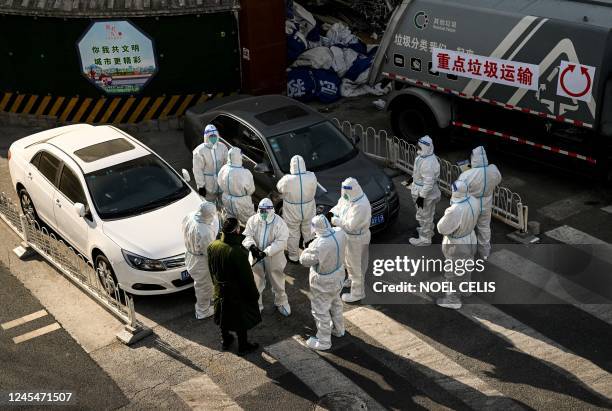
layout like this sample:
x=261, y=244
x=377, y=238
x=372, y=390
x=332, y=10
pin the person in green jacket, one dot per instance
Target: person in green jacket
x=235, y=293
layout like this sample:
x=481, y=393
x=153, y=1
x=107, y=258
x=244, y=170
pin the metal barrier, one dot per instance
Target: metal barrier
x=97, y=284
x=508, y=206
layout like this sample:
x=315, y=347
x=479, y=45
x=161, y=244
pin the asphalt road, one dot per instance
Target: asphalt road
x=38, y=355
x=551, y=355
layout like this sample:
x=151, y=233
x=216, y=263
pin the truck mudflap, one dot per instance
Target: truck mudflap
x=431, y=86
x=523, y=141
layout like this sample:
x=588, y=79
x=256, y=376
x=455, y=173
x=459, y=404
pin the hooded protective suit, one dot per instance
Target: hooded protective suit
x=237, y=185
x=425, y=186
x=270, y=236
x=353, y=214
x=208, y=158
x=459, y=243
x=298, y=190
x=482, y=179
x=200, y=228
x=325, y=257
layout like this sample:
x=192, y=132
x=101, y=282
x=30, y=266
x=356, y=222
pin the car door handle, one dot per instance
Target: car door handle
x=57, y=202
x=30, y=176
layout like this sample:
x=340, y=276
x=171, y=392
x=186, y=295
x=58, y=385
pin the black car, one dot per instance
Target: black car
x=271, y=129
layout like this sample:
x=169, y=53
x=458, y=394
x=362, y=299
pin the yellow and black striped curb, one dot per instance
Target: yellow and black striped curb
x=107, y=110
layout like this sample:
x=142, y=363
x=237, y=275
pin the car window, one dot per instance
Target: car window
x=239, y=135
x=71, y=187
x=48, y=165
x=36, y=159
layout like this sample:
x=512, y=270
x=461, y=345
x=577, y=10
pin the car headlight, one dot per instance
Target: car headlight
x=143, y=263
x=323, y=209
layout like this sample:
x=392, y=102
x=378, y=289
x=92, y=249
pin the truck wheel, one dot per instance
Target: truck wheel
x=413, y=122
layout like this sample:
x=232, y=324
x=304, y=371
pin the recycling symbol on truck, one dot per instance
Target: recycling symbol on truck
x=575, y=81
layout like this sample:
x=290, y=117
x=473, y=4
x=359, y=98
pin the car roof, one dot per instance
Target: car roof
x=86, y=136
x=249, y=108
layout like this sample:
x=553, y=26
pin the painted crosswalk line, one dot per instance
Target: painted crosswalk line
x=202, y=394
x=554, y=284
x=529, y=341
x=36, y=333
x=443, y=371
x=567, y=207
x=315, y=372
x=572, y=236
x=22, y=320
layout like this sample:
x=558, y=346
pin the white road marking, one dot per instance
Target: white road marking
x=36, y=333
x=452, y=377
x=202, y=394
x=607, y=209
x=573, y=236
x=24, y=319
x=540, y=347
x=554, y=284
x=314, y=371
x=562, y=209
x=529, y=341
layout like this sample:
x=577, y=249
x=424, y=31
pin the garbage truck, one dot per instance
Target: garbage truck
x=534, y=73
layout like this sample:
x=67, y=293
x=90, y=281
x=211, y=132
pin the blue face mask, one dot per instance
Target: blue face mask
x=213, y=140
x=263, y=215
x=346, y=197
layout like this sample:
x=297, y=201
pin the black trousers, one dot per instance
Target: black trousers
x=242, y=337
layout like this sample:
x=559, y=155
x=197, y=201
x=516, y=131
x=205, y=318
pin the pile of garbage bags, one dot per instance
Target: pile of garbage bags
x=325, y=61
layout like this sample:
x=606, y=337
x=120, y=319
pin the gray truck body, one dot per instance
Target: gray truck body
x=538, y=32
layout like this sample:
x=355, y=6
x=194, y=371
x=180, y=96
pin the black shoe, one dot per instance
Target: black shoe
x=227, y=342
x=247, y=348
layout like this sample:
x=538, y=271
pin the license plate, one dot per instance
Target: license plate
x=378, y=219
x=185, y=275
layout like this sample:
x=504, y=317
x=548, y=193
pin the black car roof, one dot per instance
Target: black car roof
x=250, y=108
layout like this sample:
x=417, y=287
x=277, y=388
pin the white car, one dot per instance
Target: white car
x=112, y=199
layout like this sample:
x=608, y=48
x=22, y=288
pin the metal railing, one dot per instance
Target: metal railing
x=99, y=285
x=508, y=206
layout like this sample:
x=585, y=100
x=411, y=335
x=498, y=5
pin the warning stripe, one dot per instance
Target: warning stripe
x=523, y=141
x=424, y=84
x=94, y=110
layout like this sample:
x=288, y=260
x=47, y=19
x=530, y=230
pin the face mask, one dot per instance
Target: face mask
x=263, y=215
x=346, y=197
x=213, y=140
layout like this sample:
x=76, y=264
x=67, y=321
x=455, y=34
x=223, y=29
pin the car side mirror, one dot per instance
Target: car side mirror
x=186, y=175
x=80, y=209
x=262, y=168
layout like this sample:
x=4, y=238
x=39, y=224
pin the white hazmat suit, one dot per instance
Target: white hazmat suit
x=459, y=243
x=238, y=186
x=325, y=257
x=208, y=158
x=482, y=179
x=353, y=214
x=425, y=191
x=298, y=191
x=268, y=232
x=200, y=228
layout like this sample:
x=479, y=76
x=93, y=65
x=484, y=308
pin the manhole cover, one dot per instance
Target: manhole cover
x=344, y=401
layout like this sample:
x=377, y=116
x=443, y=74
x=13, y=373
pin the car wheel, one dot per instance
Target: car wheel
x=27, y=205
x=107, y=277
x=413, y=121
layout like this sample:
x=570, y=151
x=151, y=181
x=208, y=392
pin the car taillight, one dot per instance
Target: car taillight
x=9, y=155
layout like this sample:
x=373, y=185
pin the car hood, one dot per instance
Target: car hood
x=370, y=175
x=155, y=234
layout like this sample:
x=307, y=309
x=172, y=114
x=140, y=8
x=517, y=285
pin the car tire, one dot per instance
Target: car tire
x=411, y=121
x=107, y=277
x=27, y=205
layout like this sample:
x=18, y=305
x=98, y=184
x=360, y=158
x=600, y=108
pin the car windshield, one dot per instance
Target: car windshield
x=321, y=145
x=134, y=187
